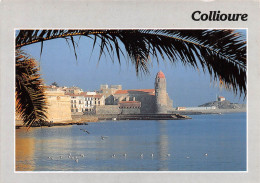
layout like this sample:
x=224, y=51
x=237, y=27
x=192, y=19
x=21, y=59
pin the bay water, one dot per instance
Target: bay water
x=203, y=143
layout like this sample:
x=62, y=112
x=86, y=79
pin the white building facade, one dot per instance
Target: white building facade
x=77, y=103
x=90, y=101
x=85, y=103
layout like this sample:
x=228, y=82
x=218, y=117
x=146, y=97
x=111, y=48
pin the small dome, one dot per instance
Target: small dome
x=160, y=75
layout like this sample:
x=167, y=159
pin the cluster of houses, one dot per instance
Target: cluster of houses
x=77, y=100
x=64, y=102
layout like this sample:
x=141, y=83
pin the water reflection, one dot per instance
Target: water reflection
x=163, y=146
x=224, y=142
x=24, y=153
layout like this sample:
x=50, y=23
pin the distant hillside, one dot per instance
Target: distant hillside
x=224, y=105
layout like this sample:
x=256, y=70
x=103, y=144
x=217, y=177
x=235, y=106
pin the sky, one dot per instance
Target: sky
x=186, y=86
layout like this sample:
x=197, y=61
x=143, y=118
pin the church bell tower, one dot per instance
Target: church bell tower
x=160, y=93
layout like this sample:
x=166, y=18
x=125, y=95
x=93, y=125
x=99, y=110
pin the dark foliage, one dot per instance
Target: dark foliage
x=29, y=91
x=55, y=84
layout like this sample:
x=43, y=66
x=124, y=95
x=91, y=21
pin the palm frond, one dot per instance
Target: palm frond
x=29, y=94
x=220, y=52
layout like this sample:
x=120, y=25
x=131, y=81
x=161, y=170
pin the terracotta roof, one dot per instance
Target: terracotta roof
x=160, y=75
x=138, y=90
x=98, y=96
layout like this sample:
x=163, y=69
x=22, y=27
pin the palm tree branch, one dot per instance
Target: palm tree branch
x=30, y=98
x=210, y=48
x=171, y=34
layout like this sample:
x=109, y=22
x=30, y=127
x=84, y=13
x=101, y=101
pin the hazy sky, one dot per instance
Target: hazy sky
x=185, y=85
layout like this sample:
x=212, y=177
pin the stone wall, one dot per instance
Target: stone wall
x=58, y=107
x=130, y=111
x=115, y=110
x=147, y=100
x=147, y=103
x=107, y=109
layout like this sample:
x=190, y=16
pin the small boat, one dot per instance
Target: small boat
x=114, y=119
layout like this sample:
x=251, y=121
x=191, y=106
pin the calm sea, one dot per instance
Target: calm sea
x=204, y=143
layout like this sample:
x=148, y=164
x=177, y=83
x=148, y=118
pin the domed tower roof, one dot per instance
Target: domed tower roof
x=160, y=75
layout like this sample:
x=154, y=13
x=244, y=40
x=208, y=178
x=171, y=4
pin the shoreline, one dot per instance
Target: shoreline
x=179, y=115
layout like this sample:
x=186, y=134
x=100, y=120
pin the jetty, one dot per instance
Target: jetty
x=144, y=117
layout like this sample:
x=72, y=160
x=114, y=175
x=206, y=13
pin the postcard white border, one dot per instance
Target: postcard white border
x=27, y=14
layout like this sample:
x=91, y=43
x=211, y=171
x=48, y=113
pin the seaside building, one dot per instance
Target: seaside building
x=77, y=103
x=108, y=92
x=72, y=90
x=145, y=96
x=163, y=102
x=180, y=108
x=81, y=102
x=64, y=102
x=85, y=103
x=91, y=101
x=137, y=101
x=220, y=98
x=58, y=104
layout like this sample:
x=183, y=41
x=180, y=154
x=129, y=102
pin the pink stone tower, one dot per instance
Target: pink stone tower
x=160, y=93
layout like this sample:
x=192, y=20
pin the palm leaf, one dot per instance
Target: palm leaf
x=29, y=94
x=220, y=52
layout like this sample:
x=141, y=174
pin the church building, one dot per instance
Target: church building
x=144, y=101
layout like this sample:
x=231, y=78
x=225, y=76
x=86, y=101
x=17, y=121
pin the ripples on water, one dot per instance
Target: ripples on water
x=176, y=145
